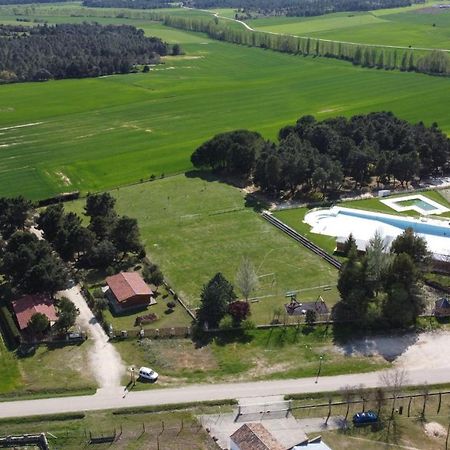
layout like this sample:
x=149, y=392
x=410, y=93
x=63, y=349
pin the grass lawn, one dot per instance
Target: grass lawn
x=47, y=372
x=258, y=354
x=128, y=127
x=181, y=430
x=194, y=227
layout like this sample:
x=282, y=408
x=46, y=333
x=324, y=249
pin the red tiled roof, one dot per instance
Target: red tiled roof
x=125, y=285
x=25, y=307
x=254, y=436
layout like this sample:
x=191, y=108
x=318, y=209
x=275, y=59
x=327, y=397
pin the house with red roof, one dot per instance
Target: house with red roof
x=27, y=306
x=127, y=290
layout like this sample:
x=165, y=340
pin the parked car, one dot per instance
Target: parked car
x=364, y=418
x=148, y=374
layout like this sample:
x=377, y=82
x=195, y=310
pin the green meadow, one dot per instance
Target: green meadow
x=95, y=134
x=398, y=27
x=194, y=227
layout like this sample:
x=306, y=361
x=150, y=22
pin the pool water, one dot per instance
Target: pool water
x=417, y=202
x=397, y=221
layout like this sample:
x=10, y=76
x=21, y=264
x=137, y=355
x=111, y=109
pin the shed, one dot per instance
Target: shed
x=25, y=307
x=128, y=290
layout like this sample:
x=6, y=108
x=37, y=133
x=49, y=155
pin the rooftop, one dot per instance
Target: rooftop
x=125, y=285
x=28, y=305
x=254, y=436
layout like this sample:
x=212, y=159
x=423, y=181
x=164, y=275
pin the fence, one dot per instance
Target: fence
x=38, y=440
x=152, y=333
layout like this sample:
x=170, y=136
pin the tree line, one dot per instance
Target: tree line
x=73, y=51
x=129, y=4
x=265, y=7
x=436, y=62
x=319, y=154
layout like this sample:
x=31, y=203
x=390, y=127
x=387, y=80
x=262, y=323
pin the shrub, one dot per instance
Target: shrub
x=98, y=293
x=226, y=323
x=171, y=305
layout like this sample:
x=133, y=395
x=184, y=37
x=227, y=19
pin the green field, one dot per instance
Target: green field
x=259, y=354
x=46, y=372
x=398, y=27
x=96, y=134
x=194, y=228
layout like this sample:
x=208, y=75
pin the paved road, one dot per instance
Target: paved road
x=110, y=398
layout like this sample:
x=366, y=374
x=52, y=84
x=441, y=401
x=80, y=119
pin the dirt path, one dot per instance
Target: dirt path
x=104, y=360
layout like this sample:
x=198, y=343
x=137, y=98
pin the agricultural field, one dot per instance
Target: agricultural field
x=51, y=142
x=399, y=27
x=194, y=227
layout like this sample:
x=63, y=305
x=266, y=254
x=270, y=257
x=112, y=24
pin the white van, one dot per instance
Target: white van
x=148, y=374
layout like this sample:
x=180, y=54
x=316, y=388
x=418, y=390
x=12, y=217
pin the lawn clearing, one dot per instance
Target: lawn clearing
x=128, y=127
x=194, y=227
x=259, y=354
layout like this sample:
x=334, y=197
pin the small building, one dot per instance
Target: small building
x=442, y=307
x=295, y=308
x=127, y=290
x=254, y=436
x=27, y=306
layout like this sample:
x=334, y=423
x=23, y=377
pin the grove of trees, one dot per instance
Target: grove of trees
x=73, y=51
x=382, y=288
x=318, y=154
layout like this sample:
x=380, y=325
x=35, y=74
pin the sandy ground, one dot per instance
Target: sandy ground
x=410, y=351
x=105, y=362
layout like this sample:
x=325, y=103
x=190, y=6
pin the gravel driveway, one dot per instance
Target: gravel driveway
x=105, y=361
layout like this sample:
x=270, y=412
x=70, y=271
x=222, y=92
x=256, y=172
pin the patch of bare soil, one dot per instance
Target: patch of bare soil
x=179, y=355
x=261, y=367
x=434, y=429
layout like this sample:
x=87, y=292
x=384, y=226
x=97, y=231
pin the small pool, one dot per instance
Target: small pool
x=417, y=202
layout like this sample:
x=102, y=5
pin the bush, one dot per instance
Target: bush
x=248, y=325
x=171, y=305
x=226, y=323
x=98, y=293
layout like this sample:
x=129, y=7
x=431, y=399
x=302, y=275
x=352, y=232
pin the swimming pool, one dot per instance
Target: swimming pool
x=340, y=222
x=419, y=226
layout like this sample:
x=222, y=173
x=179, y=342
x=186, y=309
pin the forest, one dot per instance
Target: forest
x=133, y=4
x=319, y=154
x=73, y=51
